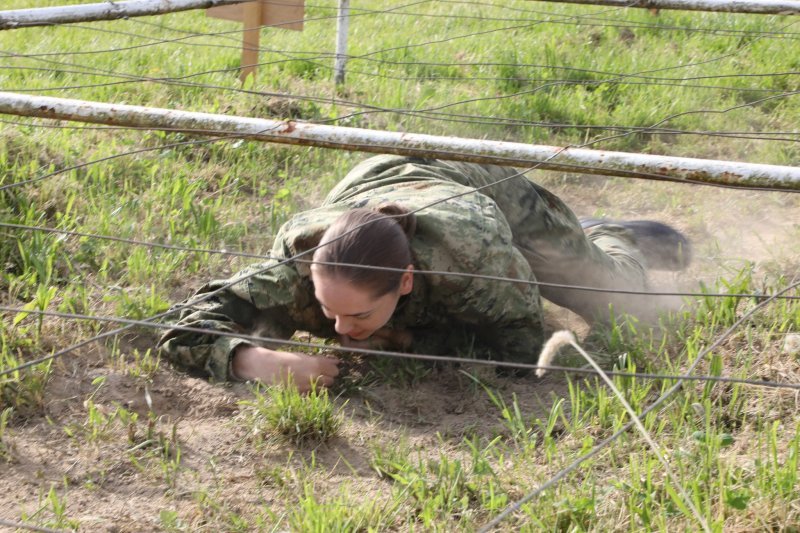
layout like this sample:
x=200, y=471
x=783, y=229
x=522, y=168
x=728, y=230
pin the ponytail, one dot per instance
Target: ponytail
x=370, y=238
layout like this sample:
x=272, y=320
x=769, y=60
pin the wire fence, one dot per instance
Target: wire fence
x=313, y=57
x=379, y=64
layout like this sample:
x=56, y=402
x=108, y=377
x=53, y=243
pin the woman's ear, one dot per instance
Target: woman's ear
x=407, y=280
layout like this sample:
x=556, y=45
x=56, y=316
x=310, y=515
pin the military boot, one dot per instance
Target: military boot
x=663, y=247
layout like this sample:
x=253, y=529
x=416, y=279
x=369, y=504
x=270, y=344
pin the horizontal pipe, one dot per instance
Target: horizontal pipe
x=729, y=173
x=763, y=7
x=46, y=16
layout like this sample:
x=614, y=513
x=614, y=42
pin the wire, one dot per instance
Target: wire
x=358, y=57
x=706, y=110
x=512, y=508
x=446, y=117
x=169, y=80
x=362, y=57
x=110, y=157
x=259, y=271
x=402, y=355
x=616, y=23
x=192, y=34
x=709, y=111
x=173, y=247
x=562, y=21
x=208, y=295
x=324, y=54
x=656, y=81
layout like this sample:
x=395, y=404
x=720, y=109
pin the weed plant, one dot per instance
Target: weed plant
x=442, y=488
x=22, y=390
x=52, y=511
x=300, y=418
x=339, y=513
x=5, y=451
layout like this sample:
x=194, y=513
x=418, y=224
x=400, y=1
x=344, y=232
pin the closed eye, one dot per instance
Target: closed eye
x=360, y=316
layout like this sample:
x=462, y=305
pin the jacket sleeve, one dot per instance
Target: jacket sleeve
x=256, y=301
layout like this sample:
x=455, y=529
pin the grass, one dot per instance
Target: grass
x=302, y=419
x=406, y=446
x=5, y=415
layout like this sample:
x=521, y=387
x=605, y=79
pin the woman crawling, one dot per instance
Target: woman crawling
x=416, y=220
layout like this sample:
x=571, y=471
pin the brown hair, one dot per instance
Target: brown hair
x=371, y=238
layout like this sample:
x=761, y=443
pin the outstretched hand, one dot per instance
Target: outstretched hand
x=273, y=367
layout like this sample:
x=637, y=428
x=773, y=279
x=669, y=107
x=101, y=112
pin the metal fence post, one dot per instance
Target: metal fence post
x=342, y=26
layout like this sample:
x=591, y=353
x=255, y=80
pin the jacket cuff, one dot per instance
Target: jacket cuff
x=220, y=365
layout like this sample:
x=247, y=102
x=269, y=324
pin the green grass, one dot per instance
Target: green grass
x=5, y=415
x=407, y=446
x=302, y=419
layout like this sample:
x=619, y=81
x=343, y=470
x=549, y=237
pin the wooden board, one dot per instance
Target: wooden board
x=287, y=14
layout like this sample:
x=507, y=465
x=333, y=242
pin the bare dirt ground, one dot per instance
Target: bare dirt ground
x=109, y=486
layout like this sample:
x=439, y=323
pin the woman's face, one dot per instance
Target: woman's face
x=355, y=311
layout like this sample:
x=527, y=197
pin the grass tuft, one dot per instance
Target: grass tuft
x=5, y=448
x=301, y=418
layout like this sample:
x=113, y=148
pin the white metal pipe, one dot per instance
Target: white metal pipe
x=581, y=160
x=764, y=7
x=342, y=28
x=45, y=16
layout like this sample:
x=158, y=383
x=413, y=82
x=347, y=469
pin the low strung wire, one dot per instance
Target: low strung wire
x=260, y=271
x=397, y=355
x=233, y=253
x=619, y=78
x=229, y=35
x=432, y=113
x=632, y=24
x=310, y=56
x=213, y=293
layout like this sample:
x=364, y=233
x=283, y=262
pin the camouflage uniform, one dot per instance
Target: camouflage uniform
x=511, y=229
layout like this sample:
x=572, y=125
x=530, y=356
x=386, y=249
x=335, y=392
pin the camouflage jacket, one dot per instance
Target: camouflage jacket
x=458, y=230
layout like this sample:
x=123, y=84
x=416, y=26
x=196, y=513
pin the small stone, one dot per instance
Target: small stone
x=791, y=344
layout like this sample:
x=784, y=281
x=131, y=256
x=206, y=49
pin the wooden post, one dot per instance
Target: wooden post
x=286, y=14
x=250, y=39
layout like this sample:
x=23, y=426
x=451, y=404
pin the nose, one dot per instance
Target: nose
x=343, y=325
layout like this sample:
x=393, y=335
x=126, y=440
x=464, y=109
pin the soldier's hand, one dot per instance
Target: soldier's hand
x=274, y=367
